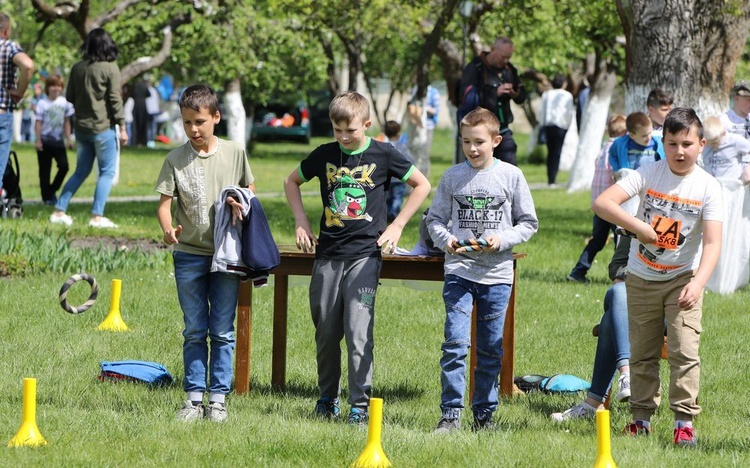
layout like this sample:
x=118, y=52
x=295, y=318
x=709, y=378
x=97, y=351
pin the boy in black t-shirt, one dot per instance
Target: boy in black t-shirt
x=354, y=174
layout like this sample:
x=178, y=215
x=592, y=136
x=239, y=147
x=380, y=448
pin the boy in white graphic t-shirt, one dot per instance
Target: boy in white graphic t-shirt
x=678, y=231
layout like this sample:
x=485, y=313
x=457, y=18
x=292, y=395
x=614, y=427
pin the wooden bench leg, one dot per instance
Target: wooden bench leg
x=244, y=338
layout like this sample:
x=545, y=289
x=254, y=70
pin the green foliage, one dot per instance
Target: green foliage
x=47, y=251
x=14, y=265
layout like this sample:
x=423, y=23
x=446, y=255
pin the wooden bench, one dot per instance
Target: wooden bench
x=394, y=267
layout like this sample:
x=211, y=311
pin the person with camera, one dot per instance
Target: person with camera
x=491, y=81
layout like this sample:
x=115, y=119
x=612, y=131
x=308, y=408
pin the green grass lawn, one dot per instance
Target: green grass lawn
x=92, y=423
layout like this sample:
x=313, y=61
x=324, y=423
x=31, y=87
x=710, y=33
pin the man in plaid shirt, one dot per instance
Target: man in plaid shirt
x=12, y=86
x=603, y=178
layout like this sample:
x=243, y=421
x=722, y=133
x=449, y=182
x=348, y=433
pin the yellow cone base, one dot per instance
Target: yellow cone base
x=113, y=321
x=373, y=455
x=28, y=435
x=603, y=441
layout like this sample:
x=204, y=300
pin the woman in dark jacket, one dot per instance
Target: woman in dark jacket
x=94, y=90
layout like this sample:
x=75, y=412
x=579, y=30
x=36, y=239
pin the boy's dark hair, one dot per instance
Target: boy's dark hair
x=558, y=81
x=481, y=116
x=680, y=119
x=616, y=126
x=99, y=46
x=200, y=96
x=392, y=129
x=53, y=80
x=347, y=106
x=658, y=97
x=636, y=121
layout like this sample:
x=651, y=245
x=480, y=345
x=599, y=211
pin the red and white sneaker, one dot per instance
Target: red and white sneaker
x=685, y=437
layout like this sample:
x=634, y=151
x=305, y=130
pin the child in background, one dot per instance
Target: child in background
x=398, y=188
x=196, y=173
x=636, y=148
x=603, y=179
x=679, y=230
x=482, y=198
x=725, y=154
x=658, y=105
x=353, y=172
x=52, y=129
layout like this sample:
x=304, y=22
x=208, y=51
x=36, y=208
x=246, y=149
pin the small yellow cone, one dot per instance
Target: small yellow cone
x=373, y=455
x=113, y=321
x=28, y=435
x=603, y=441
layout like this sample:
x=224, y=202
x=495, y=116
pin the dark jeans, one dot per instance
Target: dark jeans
x=555, y=140
x=599, y=233
x=506, y=150
x=395, y=198
x=45, y=156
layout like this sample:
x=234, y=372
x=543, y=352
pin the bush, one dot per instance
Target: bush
x=14, y=265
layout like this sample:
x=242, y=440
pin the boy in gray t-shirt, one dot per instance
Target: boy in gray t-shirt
x=487, y=201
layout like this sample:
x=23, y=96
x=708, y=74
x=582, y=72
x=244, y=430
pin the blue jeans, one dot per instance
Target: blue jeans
x=395, y=198
x=459, y=296
x=208, y=301
x=613, y=344
x=101, y=147
x=599, y=232
x=6, y=136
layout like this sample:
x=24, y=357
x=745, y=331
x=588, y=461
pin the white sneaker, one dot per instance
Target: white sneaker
x=59, y=217
x=216, y=412
x=581, y=410
x=102, y=222
x=624, y=383
x=190, y=412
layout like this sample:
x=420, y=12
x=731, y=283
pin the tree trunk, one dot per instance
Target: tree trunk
x=593, y=125
x=234, y=112
x=687, y=47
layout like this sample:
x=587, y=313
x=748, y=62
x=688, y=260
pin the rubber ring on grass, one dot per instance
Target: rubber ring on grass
x=70, y=282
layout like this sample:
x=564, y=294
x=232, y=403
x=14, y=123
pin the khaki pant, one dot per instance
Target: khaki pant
x=651, y=305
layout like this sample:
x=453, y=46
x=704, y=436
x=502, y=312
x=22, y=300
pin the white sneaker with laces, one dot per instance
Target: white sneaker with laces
x=624, y=384
x=216, y=412
x=190, y=412
x=581, y=410
x=102, y=222
x=59, y=217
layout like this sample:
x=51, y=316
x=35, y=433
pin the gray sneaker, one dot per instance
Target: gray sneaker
x=624, y=384
x=216, y=412
x=447, y=425
x=581, y=410
x=190, y=412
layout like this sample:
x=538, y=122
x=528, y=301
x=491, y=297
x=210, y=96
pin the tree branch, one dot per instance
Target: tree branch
x=111, y=14
x=143, y=64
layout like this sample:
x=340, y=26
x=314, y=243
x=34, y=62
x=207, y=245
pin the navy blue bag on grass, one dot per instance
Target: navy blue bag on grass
x=150, y=373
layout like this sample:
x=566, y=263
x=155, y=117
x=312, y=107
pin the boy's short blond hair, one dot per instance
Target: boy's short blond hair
x=616, y=126
x=636, y=121
x=481, y=116
x=713, y=130
x=349, y=106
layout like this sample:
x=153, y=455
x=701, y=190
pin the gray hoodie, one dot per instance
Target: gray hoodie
x=228, y=238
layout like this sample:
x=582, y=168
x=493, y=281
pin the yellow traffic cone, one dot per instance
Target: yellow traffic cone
x=113, y=321
x=603, y=441
x=373, y=455
x=28, y=435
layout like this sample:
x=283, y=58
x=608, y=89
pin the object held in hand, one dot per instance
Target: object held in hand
x=471, y=245
x=70, y=282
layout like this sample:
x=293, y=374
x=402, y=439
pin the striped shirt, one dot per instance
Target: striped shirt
x=8, y=72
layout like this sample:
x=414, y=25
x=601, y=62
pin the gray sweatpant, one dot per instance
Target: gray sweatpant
x=342, y=302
